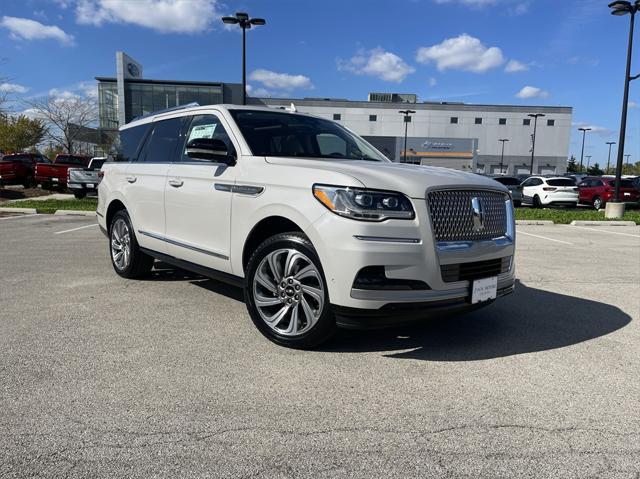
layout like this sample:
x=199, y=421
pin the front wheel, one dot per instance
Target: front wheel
x=286, y=292
x=127, y=258
x=536, y=202
x=597, y=203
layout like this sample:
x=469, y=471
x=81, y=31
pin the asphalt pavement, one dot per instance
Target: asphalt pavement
x=167, y=377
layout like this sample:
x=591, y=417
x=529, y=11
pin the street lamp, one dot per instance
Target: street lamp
x=243, y=20
x=535, y=117
x=503, y=141
x=584, y=133
x=407, y=118
x=620, y=8
x=609, y=157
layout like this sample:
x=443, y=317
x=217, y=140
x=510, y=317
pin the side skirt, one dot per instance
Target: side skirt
x=195, y=268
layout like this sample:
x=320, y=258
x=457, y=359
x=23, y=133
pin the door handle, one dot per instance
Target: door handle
x=131, y=179
x=176, y=183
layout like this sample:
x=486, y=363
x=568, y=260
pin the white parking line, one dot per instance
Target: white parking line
x=19, y=216
x=75, y=229
x=544, y=237
x=603, y=231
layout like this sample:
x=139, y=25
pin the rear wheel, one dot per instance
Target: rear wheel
x=536, y=202
x=79, y=194
x=517, y=203
x=286, y=292
x=127, y=259
x=597, y=202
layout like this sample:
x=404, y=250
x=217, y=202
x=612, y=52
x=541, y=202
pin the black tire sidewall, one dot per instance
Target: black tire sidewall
x=325, y=326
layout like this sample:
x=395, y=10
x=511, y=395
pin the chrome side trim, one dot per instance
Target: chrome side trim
x=384, y=239
x=240, y=189
x=182, y=245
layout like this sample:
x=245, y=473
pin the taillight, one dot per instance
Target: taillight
x=100, y=174
x=576, y=189
x=548, y=188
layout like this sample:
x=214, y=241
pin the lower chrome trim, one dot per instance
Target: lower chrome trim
x=384, y=239
x=183, y=245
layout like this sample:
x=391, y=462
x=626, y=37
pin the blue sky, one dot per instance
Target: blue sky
x=526, y=52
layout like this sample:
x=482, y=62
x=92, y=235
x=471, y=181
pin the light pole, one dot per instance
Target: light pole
x=584, y=133
x=620, y=8
x=609, y=157
x=243, y=20
x=407, y=118
x=503, y=141
x=535, y=117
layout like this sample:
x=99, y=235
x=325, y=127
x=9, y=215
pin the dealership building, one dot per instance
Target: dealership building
x=453, y=135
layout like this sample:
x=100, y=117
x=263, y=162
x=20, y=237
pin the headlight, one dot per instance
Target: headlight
x=363, y=204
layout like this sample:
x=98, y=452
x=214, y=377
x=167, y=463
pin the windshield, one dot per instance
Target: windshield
x=97, y=164
x=561, y=182
x=508, y=181
x=286, y=134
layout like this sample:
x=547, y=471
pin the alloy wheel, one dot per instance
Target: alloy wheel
x=120, y=244
x=288, y=292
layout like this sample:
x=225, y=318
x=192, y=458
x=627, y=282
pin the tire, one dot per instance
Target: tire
x=28, y=183
x=275, y=300
x=517, y=203
x=79, y=194
x=536, y=202
x=597, y=202
x=131, y=263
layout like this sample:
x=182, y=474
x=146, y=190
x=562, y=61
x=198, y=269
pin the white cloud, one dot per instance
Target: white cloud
x=167, y=16
x=515, y=7
x=27, y=29
x=532, y=92
x=514, y=66
x=280, y=81
x=62, y=94
x=601, y=131
x=471, y=3
x=12, y=88
x=378, y=63
x=634, y=104
x=432, y=82
x=463, y=52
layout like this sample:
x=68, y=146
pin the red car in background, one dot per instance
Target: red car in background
x=19, y=168
x=54, y=175
x=598, y=191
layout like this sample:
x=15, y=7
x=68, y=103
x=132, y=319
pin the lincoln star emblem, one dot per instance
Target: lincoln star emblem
x=478, y=214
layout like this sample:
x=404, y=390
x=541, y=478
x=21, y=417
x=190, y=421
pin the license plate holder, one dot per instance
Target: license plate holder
x=89, y=185
x=484, y=289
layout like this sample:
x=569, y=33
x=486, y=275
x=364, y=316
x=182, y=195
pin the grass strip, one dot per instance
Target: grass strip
x=51, y=206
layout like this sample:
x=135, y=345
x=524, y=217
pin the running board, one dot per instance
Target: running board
x=214, y=274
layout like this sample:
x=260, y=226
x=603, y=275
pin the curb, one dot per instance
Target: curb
x=27, y=211
x=74, y=213
x=602, y=223
x=533, y=222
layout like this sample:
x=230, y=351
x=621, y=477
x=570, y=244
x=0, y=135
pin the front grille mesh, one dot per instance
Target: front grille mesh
x=452, y=214
x=475, y=270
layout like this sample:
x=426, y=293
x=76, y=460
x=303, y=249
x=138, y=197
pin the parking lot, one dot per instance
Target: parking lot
x=104, y=377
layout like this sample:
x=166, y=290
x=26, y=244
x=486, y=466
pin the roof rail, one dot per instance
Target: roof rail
x=167, y=110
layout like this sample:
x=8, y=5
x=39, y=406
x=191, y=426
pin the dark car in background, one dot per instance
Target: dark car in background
x=597, y=191
x=513, y=183
x=19, y=168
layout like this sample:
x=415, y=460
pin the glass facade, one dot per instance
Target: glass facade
x=108, y=105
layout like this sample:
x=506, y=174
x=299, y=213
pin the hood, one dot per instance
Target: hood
x=412, y=180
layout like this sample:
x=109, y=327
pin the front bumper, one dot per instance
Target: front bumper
x=407, y=251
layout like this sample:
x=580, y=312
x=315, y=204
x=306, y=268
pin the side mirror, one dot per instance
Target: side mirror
x=209, y=149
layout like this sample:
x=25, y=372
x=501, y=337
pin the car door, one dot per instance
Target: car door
x=583, y=192
x=145, y=182
x=198, y=196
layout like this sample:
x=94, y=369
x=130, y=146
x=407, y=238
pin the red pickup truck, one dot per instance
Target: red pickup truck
x=54, y=175
x=19, y=168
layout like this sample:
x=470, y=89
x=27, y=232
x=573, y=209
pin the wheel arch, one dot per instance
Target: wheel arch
x=264, y=229
x=115, y=206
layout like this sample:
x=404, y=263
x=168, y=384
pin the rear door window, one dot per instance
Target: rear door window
x=163, y=141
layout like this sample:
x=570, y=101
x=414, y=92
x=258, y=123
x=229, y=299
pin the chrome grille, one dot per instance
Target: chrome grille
x=452, y=214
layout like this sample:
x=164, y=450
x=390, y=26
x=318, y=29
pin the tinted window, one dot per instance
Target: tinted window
x=478, y=121
x=551, y=122
x=373, y=117
x=162, y=143
x=336, y=116
x=207, y=126
x=43, y=159
x=15, y=158
x=526, y=122
x=129, y=141
x=71, y=160
x=454, y=120
x=97, y=164
x=286, y=134
x=502, y=121
x=561, y=182
x=508, y=181
x=623, y=183
x=331, y=145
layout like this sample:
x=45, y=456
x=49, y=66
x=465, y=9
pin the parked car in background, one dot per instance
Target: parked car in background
x=19, y=168
x=54, y=175
x=576, y=177
x=539, y=191
x=318, y=226
x=82, y=181
x=598, y=191
x=513, y=184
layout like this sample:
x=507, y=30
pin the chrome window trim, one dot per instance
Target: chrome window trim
x=183, y=245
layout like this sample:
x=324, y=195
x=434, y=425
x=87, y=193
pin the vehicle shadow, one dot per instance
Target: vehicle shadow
x=527, y=321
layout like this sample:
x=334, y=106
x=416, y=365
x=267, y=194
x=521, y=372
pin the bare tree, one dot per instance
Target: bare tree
x=67, y=119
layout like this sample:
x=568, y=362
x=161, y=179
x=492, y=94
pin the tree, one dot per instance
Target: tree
x=572, y=165
x=19, y=133
x=66, y=119
x=595, y=170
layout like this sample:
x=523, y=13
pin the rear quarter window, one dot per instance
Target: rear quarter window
x=128, y=142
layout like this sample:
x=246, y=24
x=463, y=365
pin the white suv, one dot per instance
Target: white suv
x=539, y=191
x=318, y=226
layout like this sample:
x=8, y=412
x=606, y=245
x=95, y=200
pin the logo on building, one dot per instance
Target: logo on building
x=437, y=145
x=133, y=70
